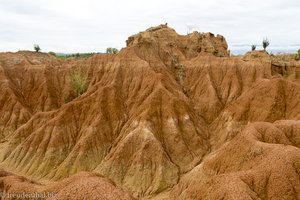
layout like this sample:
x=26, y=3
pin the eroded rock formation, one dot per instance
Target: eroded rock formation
x=168, y=117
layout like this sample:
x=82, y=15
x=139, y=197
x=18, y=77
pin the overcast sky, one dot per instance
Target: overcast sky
x=94, y=25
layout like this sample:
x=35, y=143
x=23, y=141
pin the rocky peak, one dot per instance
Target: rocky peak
x=187, y=46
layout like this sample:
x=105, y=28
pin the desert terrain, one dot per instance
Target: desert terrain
x=169, y=117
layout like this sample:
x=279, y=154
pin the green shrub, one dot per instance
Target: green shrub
x=52, y=53
x=298, y=55
x=111, y=50
x=265, y=43
x=37, y=48
x=78, y=83
x=253, y=47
